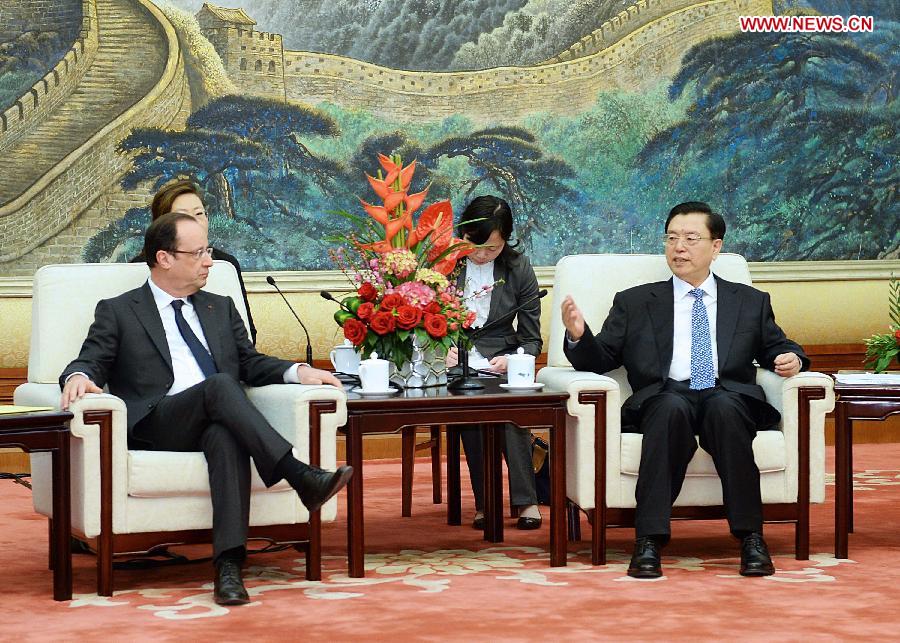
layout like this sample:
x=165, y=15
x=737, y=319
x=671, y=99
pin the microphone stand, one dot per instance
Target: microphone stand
x=465, y=382
x=309, y=354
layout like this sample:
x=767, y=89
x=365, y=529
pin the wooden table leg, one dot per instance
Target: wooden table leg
x=843, y=478
x=355, y=518
x=558, y=490
x=62, y=520
x=493, y=487
x=454, y=502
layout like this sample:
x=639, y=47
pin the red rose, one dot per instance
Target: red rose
x=365, y=311
x=392, y=301
x=367, y=292
x=436, y=325
x=355, y=331
x=433, y=308
x=383, y=322
x=897, y=335
x=408, y=317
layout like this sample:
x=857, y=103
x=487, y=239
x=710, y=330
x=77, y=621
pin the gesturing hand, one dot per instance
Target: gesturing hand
x=572, y=318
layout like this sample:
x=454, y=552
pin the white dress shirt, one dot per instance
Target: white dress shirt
x=186, y=371
x=680, y=368
x=478, y=288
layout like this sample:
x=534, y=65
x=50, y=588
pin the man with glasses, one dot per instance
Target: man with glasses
x=177, y=356
x=689, y=345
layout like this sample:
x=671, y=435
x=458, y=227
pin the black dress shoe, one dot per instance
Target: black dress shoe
x=755, y=559
x=525, y=523
x=229, y=588
x=645, y=561
x=478, y=523
x=318, y=486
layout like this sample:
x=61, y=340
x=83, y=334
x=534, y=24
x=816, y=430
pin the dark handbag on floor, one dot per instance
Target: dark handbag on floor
x=540, y=461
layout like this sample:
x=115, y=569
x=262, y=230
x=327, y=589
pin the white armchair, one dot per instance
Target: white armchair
x=603, y=461
x=126, y=501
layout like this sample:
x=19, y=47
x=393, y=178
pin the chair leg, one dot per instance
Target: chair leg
x=573, y=517
x=51, y=557
x=436, y=476
x=407, y=462
x=104, y=566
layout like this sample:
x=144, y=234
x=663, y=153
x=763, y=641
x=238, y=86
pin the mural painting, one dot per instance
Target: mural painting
x=591, y=117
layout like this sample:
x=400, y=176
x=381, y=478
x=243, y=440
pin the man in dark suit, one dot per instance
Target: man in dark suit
x=688, y=345
x=176, y=355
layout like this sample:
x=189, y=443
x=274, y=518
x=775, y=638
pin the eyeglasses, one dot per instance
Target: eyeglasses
x=196, y=254
x=688, y=239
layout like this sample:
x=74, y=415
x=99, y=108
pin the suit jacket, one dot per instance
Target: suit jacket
x=638, y=334
x=221, y=255
x=126, y=349
x=520, y=285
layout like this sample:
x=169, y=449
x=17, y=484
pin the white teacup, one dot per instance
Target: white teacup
x=520, y=368
x=345, y=359
x=374, y=374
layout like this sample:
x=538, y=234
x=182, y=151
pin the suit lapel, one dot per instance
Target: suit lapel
x=661, y=309
x=207, y=313
x=144, y=307
x=728, y=309
x=495, y=294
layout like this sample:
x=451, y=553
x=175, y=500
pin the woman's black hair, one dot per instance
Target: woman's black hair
x=482, y=216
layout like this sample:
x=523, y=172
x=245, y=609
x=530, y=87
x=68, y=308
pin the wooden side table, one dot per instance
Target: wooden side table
x=854, y=402
x=49, y=431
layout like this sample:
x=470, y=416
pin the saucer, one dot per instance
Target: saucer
x=359, y=390
x=536, y=386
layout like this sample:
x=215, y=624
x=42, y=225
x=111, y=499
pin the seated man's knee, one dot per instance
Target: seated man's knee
x=221, y=385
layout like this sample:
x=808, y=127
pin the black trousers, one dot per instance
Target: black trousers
x=216, y=417
x=522, y=490
x=726, y=424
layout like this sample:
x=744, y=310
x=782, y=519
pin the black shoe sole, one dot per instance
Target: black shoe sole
x=234, y=600
x=478, y=524
x=752, y=573
x=526, y=524
x=338, y=482
x=644, y=573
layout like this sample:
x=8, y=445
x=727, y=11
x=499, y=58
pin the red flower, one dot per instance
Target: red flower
x=433, y=308
x=470, y=317
x=408, y=317
x=436, y=325
x=355, y=331
x=897, y=335
x=383, y=323
x=392, y=301
x=367, y=292
x=365, y=311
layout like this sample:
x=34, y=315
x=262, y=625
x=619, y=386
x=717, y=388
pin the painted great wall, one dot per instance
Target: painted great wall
x=59, y=141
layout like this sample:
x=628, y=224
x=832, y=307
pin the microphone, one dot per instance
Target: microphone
x=324, y=294
x=309, y=355
x=466, y=383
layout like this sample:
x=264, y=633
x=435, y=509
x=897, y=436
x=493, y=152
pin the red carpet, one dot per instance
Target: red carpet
x=428, y=581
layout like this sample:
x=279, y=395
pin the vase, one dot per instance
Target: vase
x=426, y=368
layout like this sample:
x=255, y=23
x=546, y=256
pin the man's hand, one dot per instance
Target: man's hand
x=787, y=365
x=310, y=375
x=498, y=364
x=75, y=388
x=572, y=318
x=452, y=358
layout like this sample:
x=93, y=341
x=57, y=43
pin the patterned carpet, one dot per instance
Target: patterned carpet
x=428, y=581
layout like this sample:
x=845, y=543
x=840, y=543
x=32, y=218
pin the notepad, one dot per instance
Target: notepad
x=11, y=409
x=888, y=379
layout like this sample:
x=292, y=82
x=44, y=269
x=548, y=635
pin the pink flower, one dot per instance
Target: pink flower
x=416, y=293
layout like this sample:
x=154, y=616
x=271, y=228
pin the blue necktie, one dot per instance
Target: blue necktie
x=204, y=359
x=703, y=371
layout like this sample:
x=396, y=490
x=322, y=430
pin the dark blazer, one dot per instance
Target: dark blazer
x=520, y=285
x=221, y=255
x=638, y=333
x=126, y=349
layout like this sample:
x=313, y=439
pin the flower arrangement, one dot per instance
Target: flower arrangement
x=399, y=272
x=882, y=349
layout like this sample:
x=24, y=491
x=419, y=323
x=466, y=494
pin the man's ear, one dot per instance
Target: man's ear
x=717, y=247
x=163, y=259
